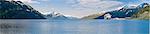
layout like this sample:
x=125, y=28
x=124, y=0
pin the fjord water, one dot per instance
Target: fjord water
x=45, y=26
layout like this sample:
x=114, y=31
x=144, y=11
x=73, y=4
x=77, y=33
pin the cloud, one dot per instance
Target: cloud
x=95, y=4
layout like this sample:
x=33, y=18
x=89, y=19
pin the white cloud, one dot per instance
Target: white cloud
x=95, y=4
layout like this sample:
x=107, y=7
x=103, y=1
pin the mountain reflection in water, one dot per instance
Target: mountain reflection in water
x=31, y=26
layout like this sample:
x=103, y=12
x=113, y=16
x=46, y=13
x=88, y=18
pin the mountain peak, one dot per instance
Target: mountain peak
x=18, y=10
x=142, y=5
x=55, y=15
x=145, y=3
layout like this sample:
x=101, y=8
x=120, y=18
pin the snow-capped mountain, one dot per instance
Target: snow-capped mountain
x=132, y=6
x=129, y=6
x=126, y=11
x=55, y=15
x=18, y=10
x=123, y=12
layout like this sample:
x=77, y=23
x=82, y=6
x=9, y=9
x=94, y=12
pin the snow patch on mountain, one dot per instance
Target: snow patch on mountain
x=55, y=15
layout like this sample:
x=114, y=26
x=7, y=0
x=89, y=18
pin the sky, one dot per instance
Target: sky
x=79, y=8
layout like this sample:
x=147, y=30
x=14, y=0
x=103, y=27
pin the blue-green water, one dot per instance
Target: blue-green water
x=42, y=26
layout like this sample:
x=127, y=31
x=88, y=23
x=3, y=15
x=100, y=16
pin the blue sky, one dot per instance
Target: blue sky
x=78, y=8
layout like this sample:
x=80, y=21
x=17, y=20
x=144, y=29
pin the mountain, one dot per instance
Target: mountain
x=18, y=10
x=55, y=15
x=126, y=11
x=142, y=14
x=92, y=16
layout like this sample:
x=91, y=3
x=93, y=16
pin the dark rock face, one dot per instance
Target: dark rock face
x=18, y=10
x=124, y=12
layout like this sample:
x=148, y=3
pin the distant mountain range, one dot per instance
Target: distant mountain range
x=55, y=15
x=124, y=12
x=18, y=10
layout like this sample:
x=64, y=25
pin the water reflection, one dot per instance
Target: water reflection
x=74, y=26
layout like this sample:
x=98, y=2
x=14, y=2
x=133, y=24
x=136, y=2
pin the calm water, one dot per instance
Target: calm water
x=74, y=26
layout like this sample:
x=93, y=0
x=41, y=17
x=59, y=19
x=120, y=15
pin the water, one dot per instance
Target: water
x=34, y=26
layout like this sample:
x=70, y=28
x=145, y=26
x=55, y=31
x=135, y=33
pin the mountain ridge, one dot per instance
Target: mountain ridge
x=142, y=14
x=18, y=10
x=124, y=12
